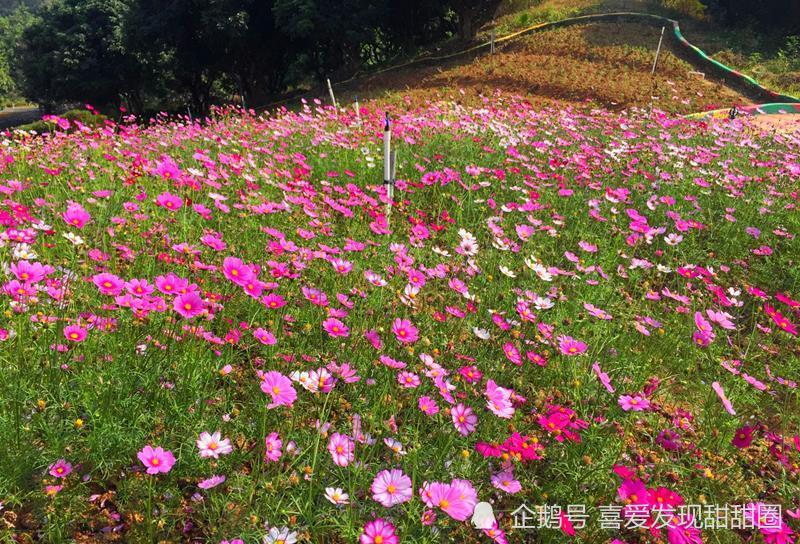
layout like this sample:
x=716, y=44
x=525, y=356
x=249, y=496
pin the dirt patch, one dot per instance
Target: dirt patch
x=599, y=64
x=782, y=123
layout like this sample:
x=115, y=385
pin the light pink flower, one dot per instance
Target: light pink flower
x=464, y=419
x=341, y=449
x=391, y=487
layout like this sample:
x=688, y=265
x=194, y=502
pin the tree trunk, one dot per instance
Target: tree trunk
x=466, y=24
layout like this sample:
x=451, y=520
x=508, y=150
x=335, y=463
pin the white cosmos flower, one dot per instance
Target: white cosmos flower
x=336, y=495
x=483, y=334
x=508, y=272
x=543, y=303
x=394, y=445
x=542, y=272
x=74, y=238
x=24, y=252
x=280, y=536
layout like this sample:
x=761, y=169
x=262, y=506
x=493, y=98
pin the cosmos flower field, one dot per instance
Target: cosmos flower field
x=217, y=333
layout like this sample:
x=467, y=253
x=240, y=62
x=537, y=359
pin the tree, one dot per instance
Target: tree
x=75, y=53
x=12, y=27
x=471, y=13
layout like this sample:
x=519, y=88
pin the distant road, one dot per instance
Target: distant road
x=12, y=117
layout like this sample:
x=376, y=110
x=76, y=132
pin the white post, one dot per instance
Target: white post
x=387, y=164
x=658, y=51
x=333, y=98
x=493, y=38
x=189, y=111
x=358, y=112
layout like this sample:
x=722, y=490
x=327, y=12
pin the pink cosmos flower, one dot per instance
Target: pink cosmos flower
x=379, y=531
x=60, y=469
x=457, y=499
x=341, y=449
x=74, y=333
x=428, y=406
x=156, y=459
x=189, y=305
x=209, y=483
x=279, y=387
x=169, y=201
x=29, y=272
x=464, y=419
x=213, y=445
x=264, y=336
x=408, y=380
x=335, y=328
x=603, y=377
x=236, y=271
x=498, y=400
x=570, y=347
x=405, y=331
x=391, y=487
x=76, y=216
x=636, y=403
x=505, y=481
x=272, y=447
x=109, y=284
x=724, y=399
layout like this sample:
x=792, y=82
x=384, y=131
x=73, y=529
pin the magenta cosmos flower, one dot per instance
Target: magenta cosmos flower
x=265, y=337
x=405, y=331
x=76, y=216
x=60, y=469
x=341, y=449
x=567, y=345
x=391, y=487
x=335, y=328
x=169, y=201
x=379, y=531
x=189, y=305
x=279, y=387
x=108, y=284
x=156, y=459
x=74, y=333
x=464, y=419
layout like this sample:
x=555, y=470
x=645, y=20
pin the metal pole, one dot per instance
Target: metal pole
x=189, y=111
x=388, y=181
x=658, y=51
x=493, y=38
x=333, y=98
x=358, y=112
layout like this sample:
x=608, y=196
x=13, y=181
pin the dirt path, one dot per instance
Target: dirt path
x=12, y=117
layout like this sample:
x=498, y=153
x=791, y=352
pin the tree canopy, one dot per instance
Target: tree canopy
x=148, y=54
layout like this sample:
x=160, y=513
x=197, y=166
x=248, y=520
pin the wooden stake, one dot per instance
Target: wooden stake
x=658, y=51
x=333, y=98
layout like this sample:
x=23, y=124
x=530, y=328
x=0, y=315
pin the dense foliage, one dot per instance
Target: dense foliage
x=151, y=53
